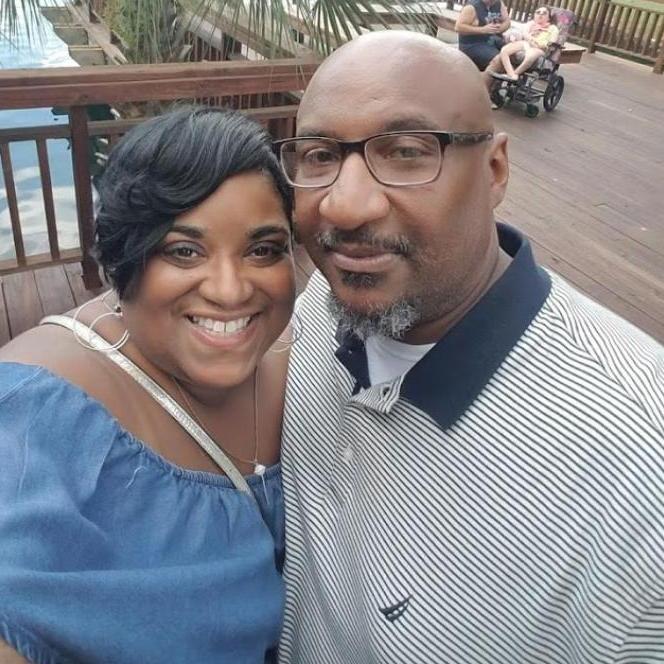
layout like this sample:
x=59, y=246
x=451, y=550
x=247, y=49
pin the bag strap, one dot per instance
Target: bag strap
x=172, y=407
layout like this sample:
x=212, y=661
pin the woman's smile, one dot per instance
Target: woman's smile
x=219, y=290
x=228, y=334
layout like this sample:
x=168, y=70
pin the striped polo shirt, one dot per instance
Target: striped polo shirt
x=502, y=502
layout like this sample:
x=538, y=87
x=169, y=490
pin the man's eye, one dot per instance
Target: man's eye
x=319, y=157
x=405, y=152
x=405, y=148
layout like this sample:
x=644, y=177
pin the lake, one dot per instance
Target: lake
x=50, y=51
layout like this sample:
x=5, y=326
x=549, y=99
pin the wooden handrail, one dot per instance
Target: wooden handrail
x=68, y=86
x=119, y=127
x=629, y=28
x=137, y=73
x=76, y=88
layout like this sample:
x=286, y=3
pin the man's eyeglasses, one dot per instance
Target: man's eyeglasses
x=395, y=159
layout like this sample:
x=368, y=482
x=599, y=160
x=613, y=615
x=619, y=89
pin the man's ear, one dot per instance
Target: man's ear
x=500, y=169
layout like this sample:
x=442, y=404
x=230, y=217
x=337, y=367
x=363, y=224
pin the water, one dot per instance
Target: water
x=50, y=51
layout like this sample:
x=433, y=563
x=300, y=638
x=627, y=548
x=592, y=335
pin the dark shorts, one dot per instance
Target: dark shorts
x=480, y=54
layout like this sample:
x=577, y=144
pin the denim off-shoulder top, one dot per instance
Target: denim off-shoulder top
x=109, y=553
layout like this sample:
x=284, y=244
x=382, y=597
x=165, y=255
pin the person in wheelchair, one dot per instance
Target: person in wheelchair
x=532, y=44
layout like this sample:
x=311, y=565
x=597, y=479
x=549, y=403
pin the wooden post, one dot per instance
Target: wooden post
x=659, y=62
x=47, y=192
x=599, y=23
x=78, y=123
x=85, y=5
x=12, y=202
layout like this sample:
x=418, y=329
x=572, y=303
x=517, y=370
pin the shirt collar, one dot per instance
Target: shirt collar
x=446, y=381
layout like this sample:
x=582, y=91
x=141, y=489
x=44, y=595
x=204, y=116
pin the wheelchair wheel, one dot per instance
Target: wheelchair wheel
x=553, y=92
x=532, y=111
x=498, y=96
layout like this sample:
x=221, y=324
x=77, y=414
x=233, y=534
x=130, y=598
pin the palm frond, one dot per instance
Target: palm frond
x=21, y=18
x=275, y=28
x=158, y=30
x=336, y=21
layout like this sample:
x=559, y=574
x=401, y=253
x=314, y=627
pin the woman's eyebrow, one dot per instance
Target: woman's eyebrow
x=262, y=231
x=192, y=232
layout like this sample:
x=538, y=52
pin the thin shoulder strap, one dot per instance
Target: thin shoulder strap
x=169, y=404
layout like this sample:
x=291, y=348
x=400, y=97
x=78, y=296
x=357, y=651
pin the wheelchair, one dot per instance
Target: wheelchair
x=542, y=81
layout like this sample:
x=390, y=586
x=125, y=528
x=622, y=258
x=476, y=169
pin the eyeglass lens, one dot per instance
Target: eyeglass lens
x=399, y=159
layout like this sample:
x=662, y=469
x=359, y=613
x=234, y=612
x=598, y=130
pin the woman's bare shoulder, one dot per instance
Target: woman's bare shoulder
x=55, y=348
x=50, y=346
x=9, y=656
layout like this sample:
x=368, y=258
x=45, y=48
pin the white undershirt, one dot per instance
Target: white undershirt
x=388, y=358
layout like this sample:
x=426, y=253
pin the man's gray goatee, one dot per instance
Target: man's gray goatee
x=393, y=321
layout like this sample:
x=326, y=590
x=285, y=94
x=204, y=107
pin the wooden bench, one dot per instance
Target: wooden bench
x=446, y=20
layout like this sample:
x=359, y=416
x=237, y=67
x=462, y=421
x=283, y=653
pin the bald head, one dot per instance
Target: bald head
x=402, y=65
x=389, y=184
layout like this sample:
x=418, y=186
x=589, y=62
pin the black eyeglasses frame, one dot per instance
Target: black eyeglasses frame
x=445, y=138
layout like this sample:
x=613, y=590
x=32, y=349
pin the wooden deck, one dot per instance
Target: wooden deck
x=587, y=186
x=29, y=296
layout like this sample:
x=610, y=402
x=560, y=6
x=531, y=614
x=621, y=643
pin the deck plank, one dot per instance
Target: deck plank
x=629, y=269
x=24, y=307
x=599, y=292
x=54, y=291
x=74, y=274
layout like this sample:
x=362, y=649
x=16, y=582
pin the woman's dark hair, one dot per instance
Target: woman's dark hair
x=164, y=167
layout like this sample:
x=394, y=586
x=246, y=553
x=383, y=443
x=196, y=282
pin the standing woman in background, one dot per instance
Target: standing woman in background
x=141, y=513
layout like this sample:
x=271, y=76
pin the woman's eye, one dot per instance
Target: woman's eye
x=268, y=251
x=182, y=252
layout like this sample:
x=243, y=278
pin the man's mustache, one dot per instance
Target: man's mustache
x=332, y=239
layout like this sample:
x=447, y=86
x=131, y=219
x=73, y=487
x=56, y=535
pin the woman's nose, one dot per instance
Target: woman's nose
x=227, y=283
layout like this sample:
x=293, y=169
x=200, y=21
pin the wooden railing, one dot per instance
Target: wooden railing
x=631, y=28
x=240, y=84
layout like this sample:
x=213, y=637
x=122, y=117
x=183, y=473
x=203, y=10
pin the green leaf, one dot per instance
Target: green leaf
x=158, y=30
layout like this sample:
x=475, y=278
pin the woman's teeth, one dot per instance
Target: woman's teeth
x=224, y=328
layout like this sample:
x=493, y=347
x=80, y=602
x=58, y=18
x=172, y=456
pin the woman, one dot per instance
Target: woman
x=538, y=34
x=122, y=539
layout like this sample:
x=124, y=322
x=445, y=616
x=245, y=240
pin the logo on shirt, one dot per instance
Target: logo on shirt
x=394, y=612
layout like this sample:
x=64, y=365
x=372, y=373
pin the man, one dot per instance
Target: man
x=473, y=451
x=480, y=25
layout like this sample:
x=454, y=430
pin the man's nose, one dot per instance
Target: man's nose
x=356, y=197
x=227, y=283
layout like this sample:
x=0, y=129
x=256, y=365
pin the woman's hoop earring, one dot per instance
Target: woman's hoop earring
x=115, y=310
x=297, y=331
